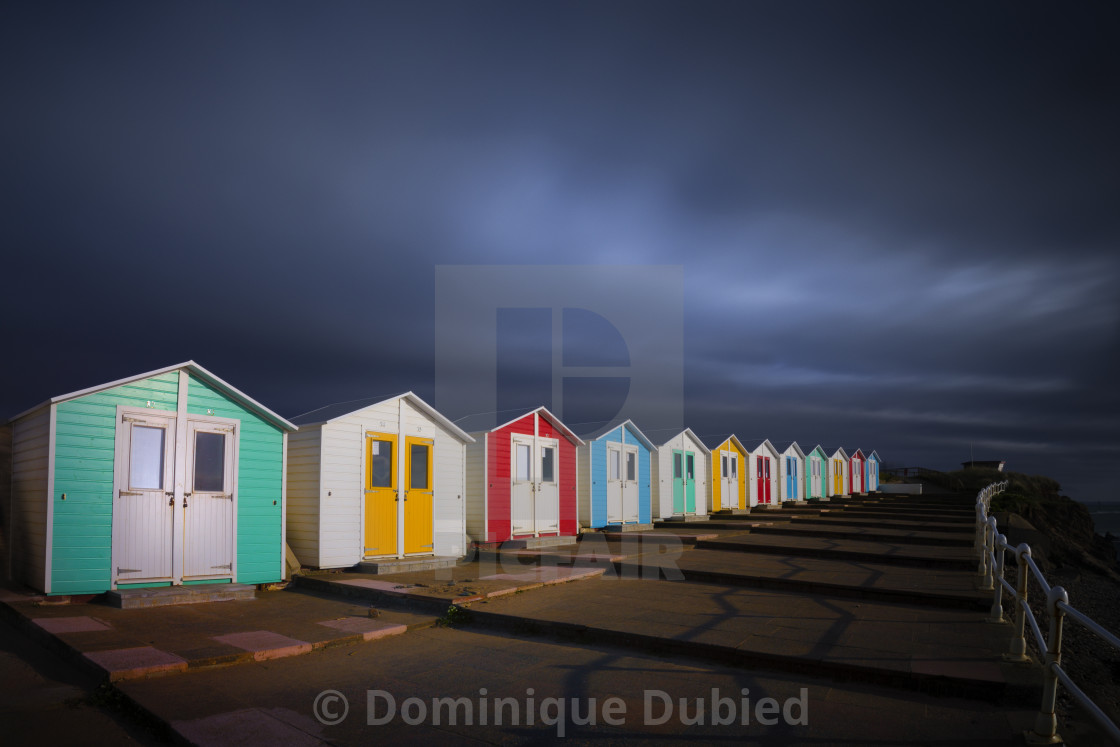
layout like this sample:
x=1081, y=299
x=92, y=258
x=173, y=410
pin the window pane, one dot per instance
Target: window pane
x=613, y=464
x=677, y=466
x=380, y=463
x=209, y=462
x=631, y=466
x=734, y=466
x=145, y=459
x=523, y=457
x=418, y=462
x=689, y=462
x=548, y=464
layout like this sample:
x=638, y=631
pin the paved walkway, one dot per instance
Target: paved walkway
x=273, y=702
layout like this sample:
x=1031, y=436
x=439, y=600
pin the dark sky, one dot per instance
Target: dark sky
x=898, y=223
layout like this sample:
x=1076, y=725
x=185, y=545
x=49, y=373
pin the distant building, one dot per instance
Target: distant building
x=980, y=464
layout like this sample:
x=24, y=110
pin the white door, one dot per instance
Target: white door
x=630, y=487
x=144, y=510
x=548, y=486
x=208, y=500
x=614, y=483
x=815, y=477
x=524, y=485
x=729, y=469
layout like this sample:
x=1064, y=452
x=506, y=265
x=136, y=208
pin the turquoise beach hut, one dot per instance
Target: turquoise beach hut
x=168, y=477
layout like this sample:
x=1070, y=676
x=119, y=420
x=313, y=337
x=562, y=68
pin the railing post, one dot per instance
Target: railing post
x=1018, y=648
x=1046, y=723
x=986, y=557
x=997, y=597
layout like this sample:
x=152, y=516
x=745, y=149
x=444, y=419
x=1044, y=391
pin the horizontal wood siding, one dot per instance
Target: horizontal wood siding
x=260, y=465
x=660, y=488
x=583, y=483
x=85, y=446
x=598, y=471
x=498, y=487
x=645, y=480
x=476, y=488
x=28, y=520
x=303, y=494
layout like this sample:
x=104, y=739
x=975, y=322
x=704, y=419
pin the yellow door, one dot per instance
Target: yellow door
x=381, y=495
x=418, y=496
x=837, y=477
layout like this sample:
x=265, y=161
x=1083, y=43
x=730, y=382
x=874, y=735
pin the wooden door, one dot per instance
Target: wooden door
x=381, y=496
x=209, y=500
x=144, y=508
x=418, y=495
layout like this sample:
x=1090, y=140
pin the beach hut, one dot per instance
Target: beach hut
x=816, y=468
x=791, y=464
x=375, y=479
x=521, y=478
x=872, y=468
x=681, y=469
x=838, y=472
x=855, y=474
x=764, y=485
x=164, y=478
x=729, y=473
x=613, y=474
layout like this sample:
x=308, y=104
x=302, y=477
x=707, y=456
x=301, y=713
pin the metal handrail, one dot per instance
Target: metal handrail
x=992, y=546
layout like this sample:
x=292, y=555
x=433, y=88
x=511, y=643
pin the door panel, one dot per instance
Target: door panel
x=630, y=487
x=548, y=486
x=690, y=482
x=208, y=500
x=523, y=486
x=144, y=511
x=678, y=481
x=614, y=483
x=381, y=495
x=418, y=496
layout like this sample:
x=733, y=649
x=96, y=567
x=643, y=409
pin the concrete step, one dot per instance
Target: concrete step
x=730, y=512
x=741, y=523
x=902, y=537
x=934, y=650
x=690, y=518
x=625, y=528
x=850, y=550
x=908, y=515
x=406, y=565
x=164, y=596
x=537, y=543
x=861, y=580
x=842, y=519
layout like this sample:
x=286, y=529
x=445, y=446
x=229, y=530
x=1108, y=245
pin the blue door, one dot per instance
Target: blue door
x=791, y=478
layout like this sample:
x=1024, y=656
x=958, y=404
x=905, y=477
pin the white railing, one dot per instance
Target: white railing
x=991, y=547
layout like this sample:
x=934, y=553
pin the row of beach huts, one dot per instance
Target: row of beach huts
x=176, y=477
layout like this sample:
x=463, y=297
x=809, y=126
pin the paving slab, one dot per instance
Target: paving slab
x=326, y=698
x=130, y=643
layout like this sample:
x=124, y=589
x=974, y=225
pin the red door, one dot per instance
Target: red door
x=763, y=465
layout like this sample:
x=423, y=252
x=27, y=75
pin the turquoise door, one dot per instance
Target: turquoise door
x=690, y=481
x=791, y=477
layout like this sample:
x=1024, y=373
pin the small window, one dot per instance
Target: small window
x=145, y=458
x=735, y=467
x=418, y=464
x=631, y=466
x=723, y=464
x=209, y=462
x=380, y=463
x=613, y=464
x=690, y=463
x=548, y=464
x=677, y=471
x=524, y=455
